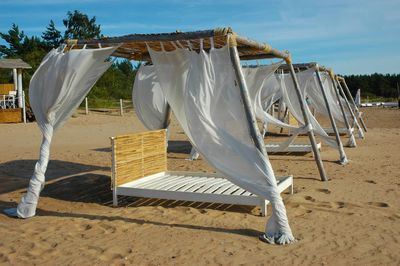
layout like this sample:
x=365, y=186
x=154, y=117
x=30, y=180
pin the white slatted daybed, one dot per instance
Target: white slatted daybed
x=139, y=169
x=342, y=130
x=293, y=148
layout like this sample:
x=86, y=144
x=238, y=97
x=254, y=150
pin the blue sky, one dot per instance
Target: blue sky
x=352, y=36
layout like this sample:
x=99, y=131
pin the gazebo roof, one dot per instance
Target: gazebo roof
x=134, y=46
x=14, y=63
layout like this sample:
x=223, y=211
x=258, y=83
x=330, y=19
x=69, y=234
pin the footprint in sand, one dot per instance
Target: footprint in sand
x=309, y=198
x=324, y=190
x=370, y=181
x=379, y=204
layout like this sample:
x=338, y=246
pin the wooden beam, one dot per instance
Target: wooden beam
x=307, y=123
x=343, y=158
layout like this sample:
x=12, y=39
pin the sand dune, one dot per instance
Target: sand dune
x=353, y=219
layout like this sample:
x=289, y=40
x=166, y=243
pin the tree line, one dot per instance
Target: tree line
x=117, y=82
x=375, y=85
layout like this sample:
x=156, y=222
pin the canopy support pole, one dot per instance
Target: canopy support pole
x=19, y=89
x=307, y=123
x=354, y=104
x=167, y=116
x=251, y=118
x=350, y=109
x=342, y=154
x=352, y=141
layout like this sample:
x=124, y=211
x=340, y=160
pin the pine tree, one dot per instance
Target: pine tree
x=52, y=36
x=79, y=26
x=15, y=39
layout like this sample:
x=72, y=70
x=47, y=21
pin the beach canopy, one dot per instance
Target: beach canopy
x=201, y=79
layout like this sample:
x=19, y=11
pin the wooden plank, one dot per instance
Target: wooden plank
x=6, y=88
x=12, y=115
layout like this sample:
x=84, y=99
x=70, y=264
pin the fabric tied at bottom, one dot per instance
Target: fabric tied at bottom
x=56, y=89
x=201, y=90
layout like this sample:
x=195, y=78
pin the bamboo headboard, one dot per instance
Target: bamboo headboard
x=137, y=155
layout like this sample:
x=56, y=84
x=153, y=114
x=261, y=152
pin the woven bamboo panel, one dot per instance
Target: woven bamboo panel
x=12, y=115
x=138, y=155
x=6, y=88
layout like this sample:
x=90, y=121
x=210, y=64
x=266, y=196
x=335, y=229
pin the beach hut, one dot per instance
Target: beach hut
x=12, y=99
x=202, y=80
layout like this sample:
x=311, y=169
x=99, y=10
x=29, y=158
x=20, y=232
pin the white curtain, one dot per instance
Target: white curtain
x=56, y=89
x=148, y=98
x=201, y=90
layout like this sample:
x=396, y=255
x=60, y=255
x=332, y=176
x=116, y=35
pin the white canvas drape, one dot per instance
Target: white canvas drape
x=56, y=89
x=148, y=98
x=261, y=82
x=201, y=90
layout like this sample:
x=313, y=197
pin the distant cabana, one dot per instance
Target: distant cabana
x=12, y=100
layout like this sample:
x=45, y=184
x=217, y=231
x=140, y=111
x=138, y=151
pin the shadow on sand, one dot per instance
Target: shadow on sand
x=15, y=175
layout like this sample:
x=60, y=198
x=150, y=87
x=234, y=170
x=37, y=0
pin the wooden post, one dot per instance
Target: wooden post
x=354, y=104
x=19, y=93
x=113, y=176
x=167, y=116
x=343, y=159
x=346, y=122
x=86, y=106
x=15, y=79
x=251, y=118
x=349, y=107
x=23, y=107
x=121, y=108
x=307, y=123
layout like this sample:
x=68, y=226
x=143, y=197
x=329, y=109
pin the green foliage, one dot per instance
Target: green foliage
x=79, y=26
x=52, y=36
x=115, y=84
x=375, y=85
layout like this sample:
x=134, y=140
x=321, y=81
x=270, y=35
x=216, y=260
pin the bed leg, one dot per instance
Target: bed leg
x=263, y=207
x=115, y=197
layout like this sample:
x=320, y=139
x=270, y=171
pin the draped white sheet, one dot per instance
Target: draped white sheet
x=202, y=92
x=148, y=98
x=58, y=86
x=261, y=82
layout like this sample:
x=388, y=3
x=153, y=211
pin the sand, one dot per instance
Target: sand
x=353, y=219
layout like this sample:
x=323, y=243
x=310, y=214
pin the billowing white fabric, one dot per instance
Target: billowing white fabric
x=148, y=98
x=316, y=97
x=293, y=104
x=262, y=96
x=358, y=98
x=56, y=89
x=202, y=92
x=270, y=84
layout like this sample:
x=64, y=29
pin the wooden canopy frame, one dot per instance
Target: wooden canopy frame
x=135, y=47
x=318, y=68
x=337, y=81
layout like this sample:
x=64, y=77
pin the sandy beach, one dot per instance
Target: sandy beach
x=354, y=219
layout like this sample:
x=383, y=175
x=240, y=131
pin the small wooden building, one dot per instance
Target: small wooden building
x=12, y=98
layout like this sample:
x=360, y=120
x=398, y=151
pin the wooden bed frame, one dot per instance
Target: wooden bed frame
x=293, y=148
x=139, y=169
